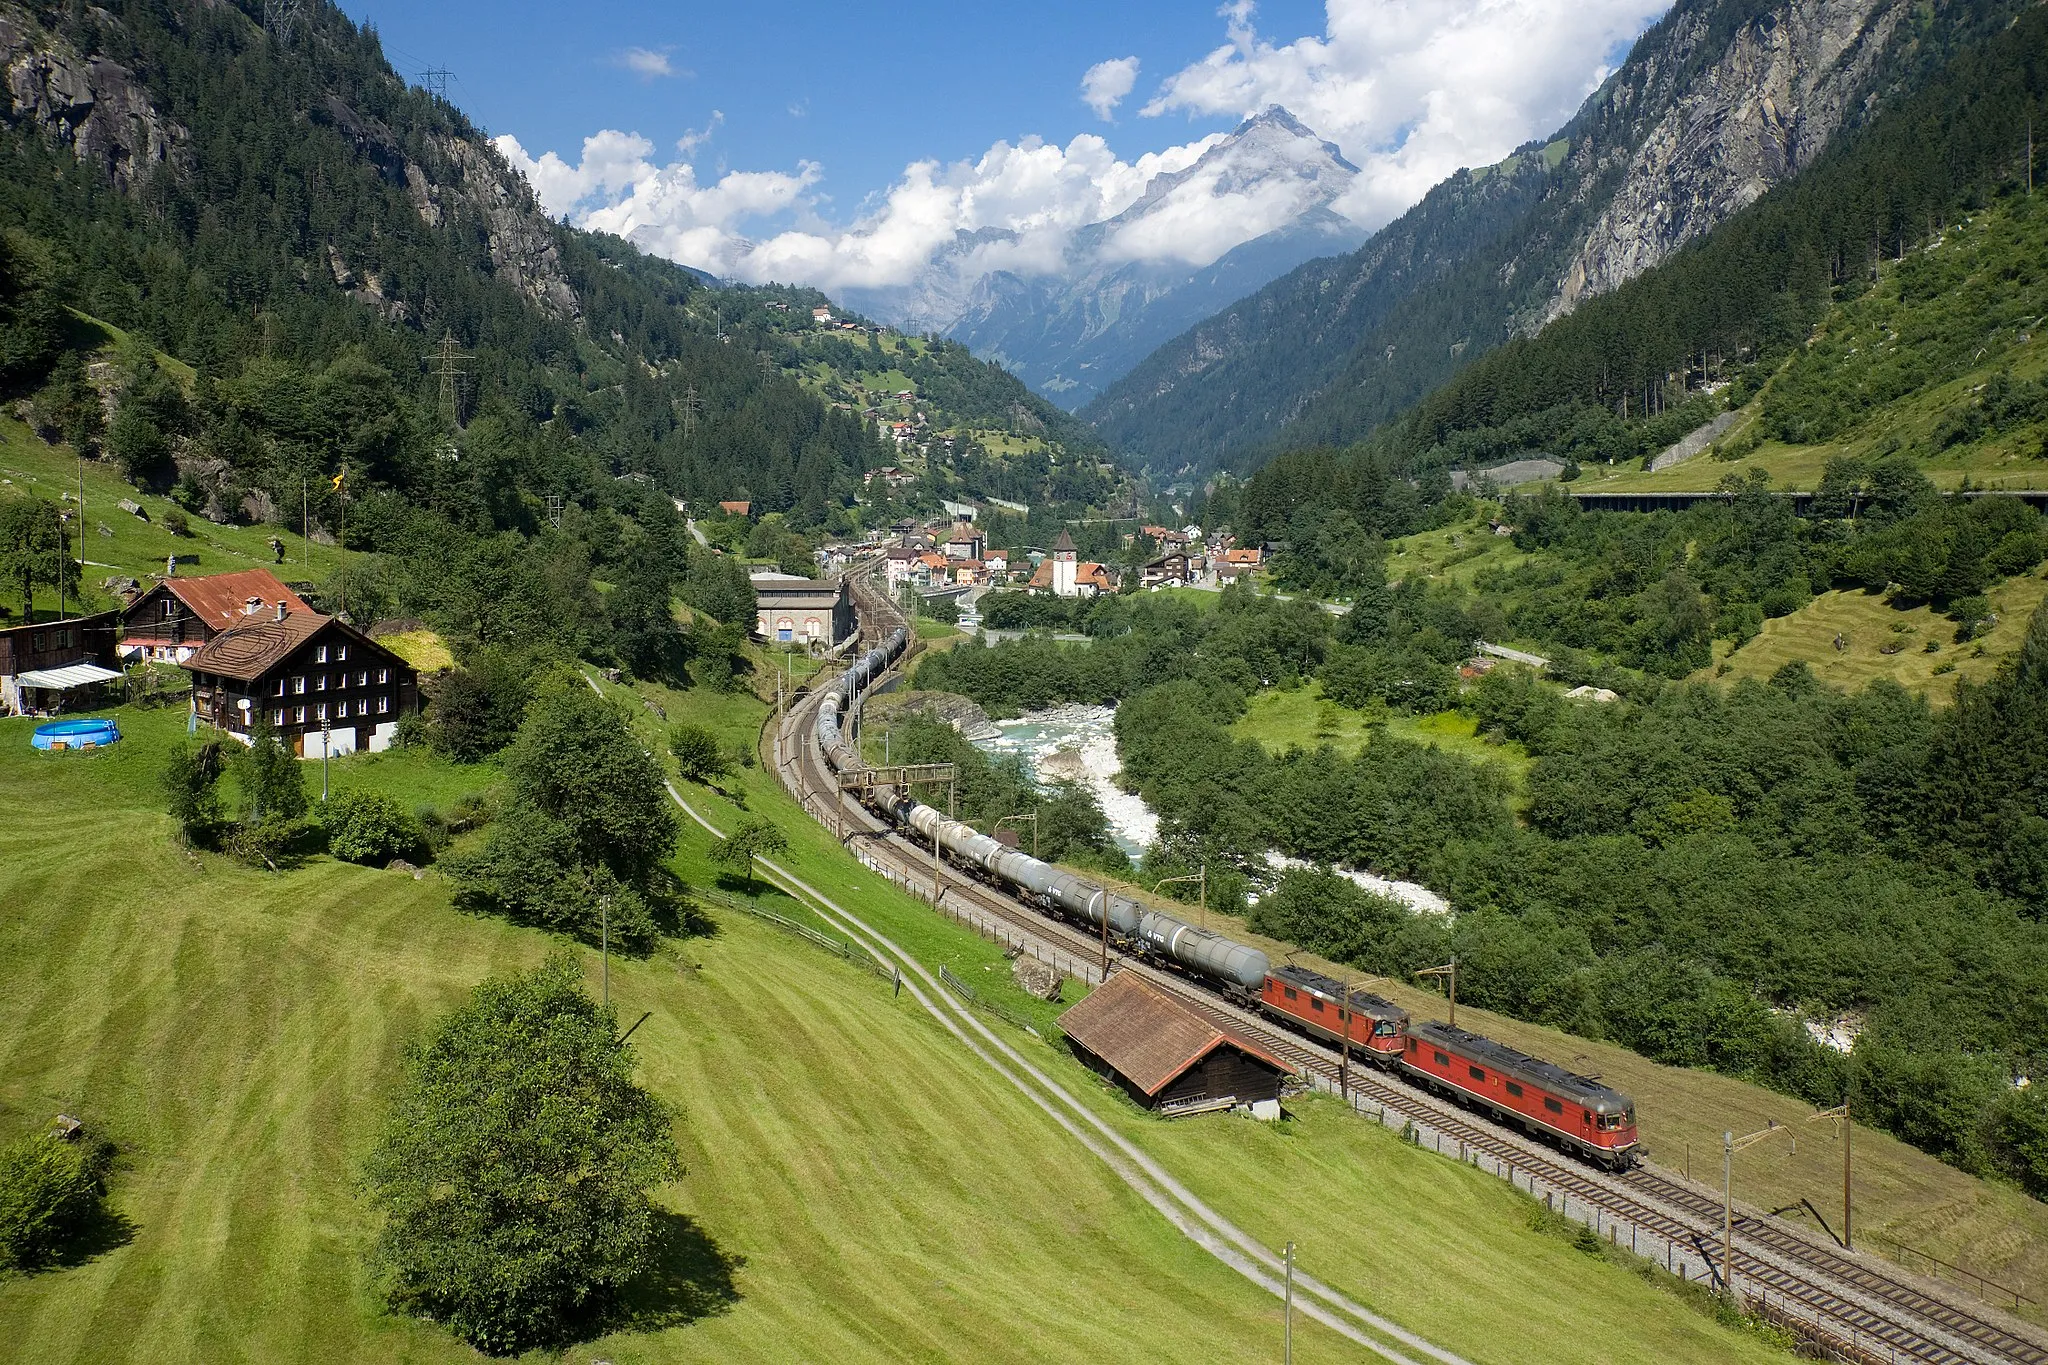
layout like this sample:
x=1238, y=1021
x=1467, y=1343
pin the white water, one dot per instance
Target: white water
x=1078, y=743
x=1414, y=895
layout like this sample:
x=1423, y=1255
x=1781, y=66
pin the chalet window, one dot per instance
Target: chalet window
x=1514, y=1090
x=383, y=676
x=299, y=685
x=340, y=653
x=1477, y=1073
x=1442, y=1060
x=383, y=705
x=320, y=683
x=277, y=716
x=320, y=654
x=38, y=641
x=170, y=607
x=1553, y=1106
x=279, y=691
x=298, y=715
x=321, y=709
x=362, y=677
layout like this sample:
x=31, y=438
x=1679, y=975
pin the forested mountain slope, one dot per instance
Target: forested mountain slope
x=1716, y=104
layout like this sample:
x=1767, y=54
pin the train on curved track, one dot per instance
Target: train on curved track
x=1577, y=1113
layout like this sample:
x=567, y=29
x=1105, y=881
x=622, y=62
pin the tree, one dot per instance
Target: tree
x=190, y=780
x=273, y=789
x=576, y=762
x=699, y=756
x=50, y=1190
x=644, y=629
x=33, y=549
x=474, y=711
x=754, y=839
x=516, y=1163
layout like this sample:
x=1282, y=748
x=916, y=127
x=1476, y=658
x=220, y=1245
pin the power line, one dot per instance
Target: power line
x=448, y=368
x=281, y=19
x=435, y=81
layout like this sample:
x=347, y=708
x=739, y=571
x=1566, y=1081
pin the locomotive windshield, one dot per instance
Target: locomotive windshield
x=1384, y=1028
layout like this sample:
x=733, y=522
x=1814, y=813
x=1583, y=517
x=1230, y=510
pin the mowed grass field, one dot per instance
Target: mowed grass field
x=860, y=1187
x=1868, y=622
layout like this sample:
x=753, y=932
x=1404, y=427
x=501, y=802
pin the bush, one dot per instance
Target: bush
x=370, y=828
x=50, y=1190
x=176, y=522
x=699, y=758
x=515, y=1166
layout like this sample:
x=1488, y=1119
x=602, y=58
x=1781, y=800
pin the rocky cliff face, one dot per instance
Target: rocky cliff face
x=1758, y=116
x=109, y=118
x=1716, y=104
x=94, y=106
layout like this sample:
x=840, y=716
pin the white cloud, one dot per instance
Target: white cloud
x=647, y=63
x=1037, y=191
x=690, y=141
x=1408, y=89
x=1413, y=89
x=1104, y=85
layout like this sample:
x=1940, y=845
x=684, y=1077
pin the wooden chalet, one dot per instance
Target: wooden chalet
x=1165, y=1055
x=173, y=617
x=51, y=666
x=325, y=687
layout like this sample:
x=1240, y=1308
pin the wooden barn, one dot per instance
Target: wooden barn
x=1168, y=1057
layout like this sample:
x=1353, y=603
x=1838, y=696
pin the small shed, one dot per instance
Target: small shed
x=1164, y=1054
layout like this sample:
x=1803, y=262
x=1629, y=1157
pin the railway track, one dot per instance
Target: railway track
x=1856, y=1311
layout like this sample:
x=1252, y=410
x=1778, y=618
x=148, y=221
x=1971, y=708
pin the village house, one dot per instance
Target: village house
x=324, y=686
x=899, y=564
x=52, y=666
x=821, y=316
x=172, y=618
x=813, y=611
x=736, y=508
x=1236, y=564
x=1168, y=568
x=964, y=543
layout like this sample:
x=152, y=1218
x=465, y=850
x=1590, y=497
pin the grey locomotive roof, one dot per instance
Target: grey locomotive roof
x=1522, y=1067
x=1365, y=1002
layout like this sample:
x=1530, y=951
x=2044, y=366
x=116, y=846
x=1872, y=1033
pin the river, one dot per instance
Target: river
x=1076, y=743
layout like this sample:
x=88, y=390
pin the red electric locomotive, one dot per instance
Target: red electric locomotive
x=1315, y=1004
x=1541, y=1097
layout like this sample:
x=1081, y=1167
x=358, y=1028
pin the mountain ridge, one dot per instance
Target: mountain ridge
x=1254, y=204
x=1283, y=367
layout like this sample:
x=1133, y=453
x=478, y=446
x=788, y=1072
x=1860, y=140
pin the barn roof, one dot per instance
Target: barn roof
x=222, y=599
x=1147, y=1036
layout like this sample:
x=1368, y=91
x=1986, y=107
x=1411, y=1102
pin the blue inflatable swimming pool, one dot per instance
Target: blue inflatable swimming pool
x=86, y=732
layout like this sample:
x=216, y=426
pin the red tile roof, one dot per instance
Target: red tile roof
x=222, y=599
x=1149, y=1037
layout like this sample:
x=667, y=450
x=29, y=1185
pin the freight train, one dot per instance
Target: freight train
x=1545, y=1100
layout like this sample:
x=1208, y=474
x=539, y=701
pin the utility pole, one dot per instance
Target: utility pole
x=1840, y=1114
x=1449, y=971
x=1102, y=905
x=1201, y=877
x=326, y=747
x=1287, y=1320
x=1344, y=1015
x=1730, y=1145
x=604, y=945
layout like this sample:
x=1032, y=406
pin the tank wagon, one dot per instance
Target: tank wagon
x=1544, y=1099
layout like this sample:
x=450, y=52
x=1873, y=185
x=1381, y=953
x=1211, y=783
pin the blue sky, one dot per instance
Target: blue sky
x=872, y=88
x=848, y=146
